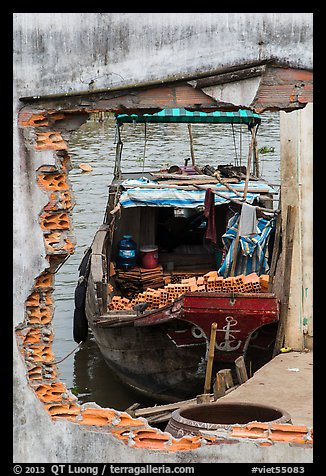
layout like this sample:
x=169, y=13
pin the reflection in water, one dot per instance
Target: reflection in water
x=85, y=372
x=94, y=381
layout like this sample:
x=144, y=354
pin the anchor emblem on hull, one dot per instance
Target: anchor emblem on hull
x=227, y=344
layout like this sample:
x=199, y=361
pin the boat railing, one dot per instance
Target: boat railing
x=98, y=275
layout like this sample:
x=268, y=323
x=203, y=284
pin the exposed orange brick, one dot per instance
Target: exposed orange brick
x=57, y=242
x=288, y=433
x=52, y=392
x=36, y=336
x=40, y=353
x=55, y=221
x=33, y=299
x=65, y=410
x=53, y=181
x=97, y=416
x=289, y=427
x=57, y=115
x=257, y=425
x=30, y=119
x=150, y=438
x=127, y=421
x=50, y=141
x=35, y=372
x=59, y=201
x=45, y=280
x=287, y=437
x=33, y=336
x=121, y=434
x=185, y=444
x=39, y=298
x=41, y=371
x=245, y=432
x=39, y=315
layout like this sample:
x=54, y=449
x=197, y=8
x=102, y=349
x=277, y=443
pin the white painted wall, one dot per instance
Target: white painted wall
x=296, y=134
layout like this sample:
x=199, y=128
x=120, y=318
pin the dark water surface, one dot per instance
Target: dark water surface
x=85, y=371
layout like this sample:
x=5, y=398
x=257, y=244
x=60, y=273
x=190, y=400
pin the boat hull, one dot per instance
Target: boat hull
x=149, y=362
x=163, y=354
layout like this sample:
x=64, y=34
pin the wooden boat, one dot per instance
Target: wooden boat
x=153, y=326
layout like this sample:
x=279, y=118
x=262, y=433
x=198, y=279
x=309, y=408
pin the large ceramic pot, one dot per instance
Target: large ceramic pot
x=208, y=417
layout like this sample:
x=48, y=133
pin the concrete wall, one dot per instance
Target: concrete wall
x=63, y=52
x=58, y=53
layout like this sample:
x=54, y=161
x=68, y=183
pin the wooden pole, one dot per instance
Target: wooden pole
x=276, y=250
x=234, y=200
x=237, y=238
x=219, y=386
x=289, y=239
x=191, y=144
x=208, y=376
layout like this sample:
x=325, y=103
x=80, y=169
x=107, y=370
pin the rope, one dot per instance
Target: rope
x=235, y=146
x=73, y=350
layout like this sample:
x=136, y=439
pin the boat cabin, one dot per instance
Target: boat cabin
x=170, y=213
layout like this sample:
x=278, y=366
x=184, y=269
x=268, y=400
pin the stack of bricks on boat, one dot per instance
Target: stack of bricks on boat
x=162, y=292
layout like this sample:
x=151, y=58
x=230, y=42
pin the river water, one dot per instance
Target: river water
x=85, y=372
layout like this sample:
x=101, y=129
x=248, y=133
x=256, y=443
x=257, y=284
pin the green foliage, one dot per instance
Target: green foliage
x=266, y=150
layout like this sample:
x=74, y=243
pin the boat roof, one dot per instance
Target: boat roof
x=143, y=192
x=172, y=115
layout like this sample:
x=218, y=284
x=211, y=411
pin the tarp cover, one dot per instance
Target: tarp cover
x=182, y=115
x=252, y=258
x=175, y=197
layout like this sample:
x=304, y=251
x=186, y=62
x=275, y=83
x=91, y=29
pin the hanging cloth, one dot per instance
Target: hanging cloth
x=248, y=220
x=209, y=212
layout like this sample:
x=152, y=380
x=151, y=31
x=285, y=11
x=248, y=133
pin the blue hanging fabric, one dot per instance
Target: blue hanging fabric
x=252, y=249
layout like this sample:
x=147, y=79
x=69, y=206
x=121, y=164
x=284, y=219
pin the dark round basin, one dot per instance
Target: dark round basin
x=198, y=418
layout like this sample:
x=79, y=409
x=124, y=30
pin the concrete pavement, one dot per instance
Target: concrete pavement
x=285, y=382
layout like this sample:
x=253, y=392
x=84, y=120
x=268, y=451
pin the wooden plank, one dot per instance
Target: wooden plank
x=238, y=202
x=132, y=408
x=289, y=239
x=190, y=185
x=219, y=386
x=182, y=177
x=241, y=370
x=203, y=398
x=160, y=413
x=228, y=379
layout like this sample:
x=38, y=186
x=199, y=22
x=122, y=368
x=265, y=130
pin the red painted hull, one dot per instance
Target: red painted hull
x=237, y=316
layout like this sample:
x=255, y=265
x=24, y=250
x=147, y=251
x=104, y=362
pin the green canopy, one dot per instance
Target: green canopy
x=242, y=116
